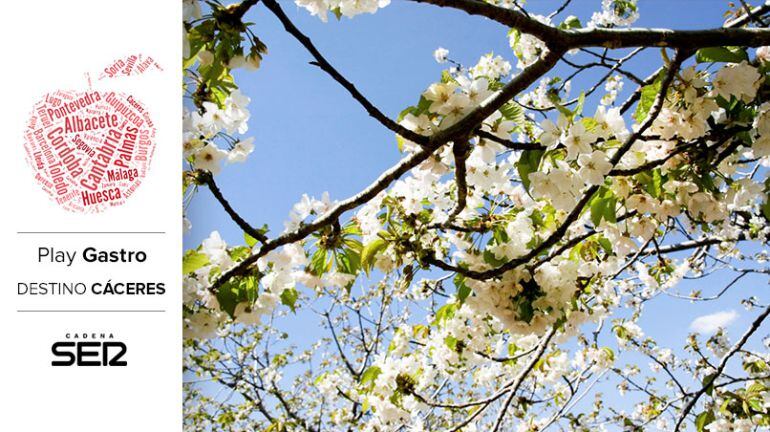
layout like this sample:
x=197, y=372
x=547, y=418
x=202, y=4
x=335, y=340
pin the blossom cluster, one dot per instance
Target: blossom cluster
x=201, y=131
x=348, y=8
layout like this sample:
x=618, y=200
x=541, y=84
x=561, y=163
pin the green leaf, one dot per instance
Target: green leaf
x=556, y=101
x=606, y=245
x=708, y=383
x=369, y=253
x=348, y=260
x=235, y=291
x=571, y=22
x=250, y=287
x=603, y=206
x=651, y=181
x=528, y=163
x=400, y=143
x=421, y=331
x=320, y=262
x=250, y=241
x=597, y=209
x=421, y=108
x=416, y=110
x=193, y=260
x=451, y=342
x=721, y=54
x=513, y=112
x=657, y=183
x=766, y=209
x=320, y=378
x=289, y=298
x=445, y=312
x=610, y=353
x=499, y=236
x=447, y=77
x=239, y=253
x=703, y=419
x=370, y=375
x=197, y=37
x=463, y=290
x=526, y=311
x=647, y=98
x=192, y=59
x=229, y=295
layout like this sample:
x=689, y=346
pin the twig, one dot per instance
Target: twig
x=322, y=63
x=206, y=178
x=721, y=367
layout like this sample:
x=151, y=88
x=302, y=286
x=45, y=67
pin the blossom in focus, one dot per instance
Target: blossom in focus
x=441, y=55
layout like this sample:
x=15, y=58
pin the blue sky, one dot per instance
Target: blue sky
x=311, y=137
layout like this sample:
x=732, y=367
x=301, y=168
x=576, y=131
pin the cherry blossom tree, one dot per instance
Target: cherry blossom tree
x=493, y=279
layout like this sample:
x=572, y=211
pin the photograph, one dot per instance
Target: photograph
x=467, y=215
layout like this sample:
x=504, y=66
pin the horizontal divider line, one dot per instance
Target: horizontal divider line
x=90, y=232
x=92, y=310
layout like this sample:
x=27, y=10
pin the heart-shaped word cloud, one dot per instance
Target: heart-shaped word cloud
x=91, y=149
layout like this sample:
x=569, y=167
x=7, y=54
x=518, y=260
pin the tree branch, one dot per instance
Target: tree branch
x=626, y=38
x=521, y=376
x=206, y=178
x=721, y=367
x=738, y=22
x=507, y=143
x=322, y=63
x=460, y=151
x=469, y=122
x=329, y=217
x=587, y=195
x=518, y=84
x=508, y=17
x=609, y=38
x=513, y=385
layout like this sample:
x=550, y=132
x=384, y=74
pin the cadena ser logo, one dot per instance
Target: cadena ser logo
x=89, y=349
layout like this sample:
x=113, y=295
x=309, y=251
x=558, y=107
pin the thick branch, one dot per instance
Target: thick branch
x=509, y=17
x=625, y=38
x=460, y=151
x=564, y=40
x=243, y=7
x=610, y=38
